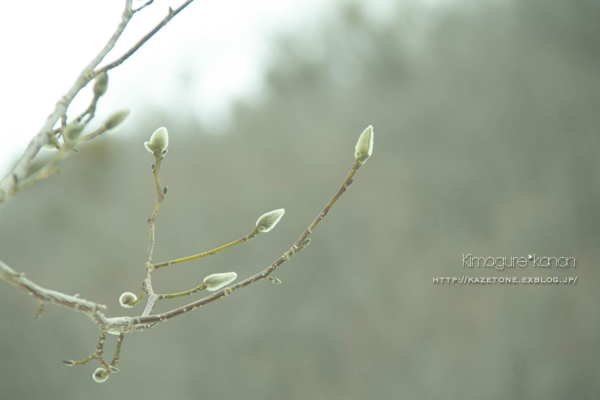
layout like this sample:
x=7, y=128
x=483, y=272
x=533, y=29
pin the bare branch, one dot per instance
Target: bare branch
x=8, y=185
x=300, y=244
x=114, y=325
x=172, y=13
x=20, y=169
x=160, y=195
x=212, y=252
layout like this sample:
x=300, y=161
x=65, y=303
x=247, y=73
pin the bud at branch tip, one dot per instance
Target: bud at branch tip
x=364, y=146
x=115, y=119
x=267, y=221
x=127, y=300
x=215, y=282
x=100, y=84
x=100, y=375
x=159, y=141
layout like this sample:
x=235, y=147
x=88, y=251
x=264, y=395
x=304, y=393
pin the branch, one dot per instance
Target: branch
x=122, y=325
x=9, y=184
x=298, y=246
x=160, y=195
x=172, y=13
x=76, y=303
x=212, y=252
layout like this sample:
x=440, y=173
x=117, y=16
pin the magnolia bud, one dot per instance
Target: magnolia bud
x=100, y=375
x=127, y=299
x=364, y=146
x=115, y=119
x=100, y=84
x=217, y=281
x=72, y=132
x=267, y=221
x=159, y=141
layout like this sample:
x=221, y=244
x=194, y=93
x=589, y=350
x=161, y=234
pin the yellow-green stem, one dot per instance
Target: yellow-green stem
x=249, y=236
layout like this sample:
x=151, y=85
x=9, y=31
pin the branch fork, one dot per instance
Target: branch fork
x=217, y=283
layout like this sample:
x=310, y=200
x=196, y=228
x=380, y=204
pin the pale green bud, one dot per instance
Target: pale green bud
x=115, y=119
x=72, y=132
x=267, y=221
x=305, y=243
x=100, y=84
x=217, y=281
x=127, y=299
x=364, y=146
x=100, y=375
x=159, y=141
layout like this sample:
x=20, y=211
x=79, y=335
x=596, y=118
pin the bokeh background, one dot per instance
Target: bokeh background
x=486, y=117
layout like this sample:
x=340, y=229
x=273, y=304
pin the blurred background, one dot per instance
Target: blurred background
x=486, y=119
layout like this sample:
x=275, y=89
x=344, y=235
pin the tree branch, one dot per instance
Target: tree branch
x=9, y=184
x=123, y=325
x=298, y=246
x=172, y=13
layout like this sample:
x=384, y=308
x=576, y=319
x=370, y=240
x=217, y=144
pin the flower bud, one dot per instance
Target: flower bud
x=100, y=375
x=159, y=141
x=127, y=300
x=364, y=146
x=267, y=221
x=100, y=84
x=115, y=119
x=215, y=282
x=72, y=132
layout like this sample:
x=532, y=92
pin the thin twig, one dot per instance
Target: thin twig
x=172, y=13
x=246, y=238
x=22, y=166
x=160, y=195
x=8, y=184
x=298, y=246
x=181, y=294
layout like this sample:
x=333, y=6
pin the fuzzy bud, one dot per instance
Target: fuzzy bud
x=100, y=375
x=127, y=299
x=159, y=141
x=100, y=84
x=115, y=119
x=72, y=132
x=364, y=146
x=215, y=282
x=267, y=221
